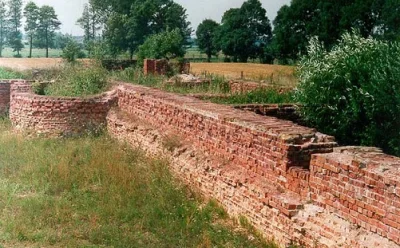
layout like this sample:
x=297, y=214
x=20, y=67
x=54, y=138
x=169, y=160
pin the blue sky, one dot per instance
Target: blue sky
x=69, y=11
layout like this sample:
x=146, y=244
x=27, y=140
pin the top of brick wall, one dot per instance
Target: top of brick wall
x=284, y=130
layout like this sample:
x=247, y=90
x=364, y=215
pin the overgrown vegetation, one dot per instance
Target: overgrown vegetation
x=217, y=85
x=260, y=96
x=353, y=92
x=168, y=44
x=72, y=51
x=6, y=73
x=78, y=80
x=91, y=192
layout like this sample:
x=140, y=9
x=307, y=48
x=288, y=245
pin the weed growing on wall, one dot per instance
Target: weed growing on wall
x=259, y=96
x=78, y=80
x=353, y=91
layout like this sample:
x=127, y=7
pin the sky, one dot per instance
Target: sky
x=69, y=11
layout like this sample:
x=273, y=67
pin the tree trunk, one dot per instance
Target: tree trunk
x=208, y=58
x=30, y=46
x=1, y=41
x=131, y=51
x=47, y=45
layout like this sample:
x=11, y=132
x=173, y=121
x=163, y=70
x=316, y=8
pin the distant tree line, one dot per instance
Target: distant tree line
x=246, y=32
x=41, y=25
x=124, y=26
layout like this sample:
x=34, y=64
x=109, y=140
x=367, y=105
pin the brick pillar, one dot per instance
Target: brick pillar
x=149, y=66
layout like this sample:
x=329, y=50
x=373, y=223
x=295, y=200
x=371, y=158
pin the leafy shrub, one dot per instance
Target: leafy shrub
x=72, y=51
x=353, y=91
x=168, y=44
x=76, y=80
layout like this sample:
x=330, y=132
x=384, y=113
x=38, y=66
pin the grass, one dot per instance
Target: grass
x=260, y=96
x=76, y=80
x=36, y=53
x=6, y=73
x=218, y=84
x=92, y=192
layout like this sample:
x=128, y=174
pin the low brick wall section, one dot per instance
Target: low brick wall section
x=361, y=185
x=4, y=97
x=288, y=180
x=57, y=116
x=163, y=66
x=267, y=146
x=280, y=111
x=5, y=91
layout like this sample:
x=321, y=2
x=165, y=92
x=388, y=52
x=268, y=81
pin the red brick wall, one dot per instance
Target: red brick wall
x=4, y=97
x=162, y=66
x=289, y=181
x=362, y=185
x=279, y=214
x=5, y=89
x=266, y=146
x=57, y=116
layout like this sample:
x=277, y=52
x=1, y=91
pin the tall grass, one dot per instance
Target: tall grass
x=260, y=96
x=6, y=73
x=78, y=80
x=217, y=85
x=92, y=192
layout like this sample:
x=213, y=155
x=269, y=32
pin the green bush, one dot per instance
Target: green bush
x=72, y=51
x=353, y=91
x=76, y=80
x=165, y=45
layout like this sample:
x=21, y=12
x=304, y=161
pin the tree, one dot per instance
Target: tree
x=129, y=23
x=168, y=44
x=61, y=40
x=31, y=13
x=48, y=24
x=71, y=51
x=206, y=33
x=3, y=25
x=302, y=19
x=245, y=31
x=15, y=16
x=90, y=22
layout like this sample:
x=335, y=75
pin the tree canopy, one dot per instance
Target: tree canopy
x=130, y=23
x=48, y=24
x=302, y=19
x=168, y=44
x=245, y=31
x=31, y=14
x=206, y=32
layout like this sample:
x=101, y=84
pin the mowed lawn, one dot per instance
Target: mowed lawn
x=93, y=192
x=277, y=74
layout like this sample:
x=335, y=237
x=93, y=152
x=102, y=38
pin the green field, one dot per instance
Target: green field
x=36, y=53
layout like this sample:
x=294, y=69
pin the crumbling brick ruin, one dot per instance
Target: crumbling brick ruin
x=293, y=184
